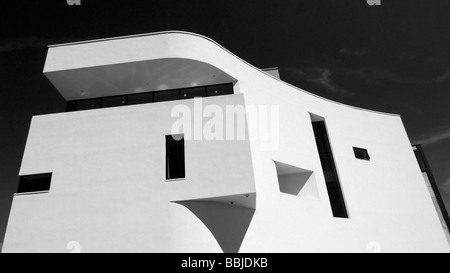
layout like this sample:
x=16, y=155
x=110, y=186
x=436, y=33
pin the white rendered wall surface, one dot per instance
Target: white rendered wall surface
x=108, y=191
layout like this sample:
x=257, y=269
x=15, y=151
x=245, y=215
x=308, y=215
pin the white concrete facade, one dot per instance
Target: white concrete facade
x=108, y=190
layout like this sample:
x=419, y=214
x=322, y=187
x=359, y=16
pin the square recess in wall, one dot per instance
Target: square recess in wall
x=361, y=153
x=296, y=181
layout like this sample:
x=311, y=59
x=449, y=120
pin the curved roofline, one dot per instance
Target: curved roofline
x=229, y=52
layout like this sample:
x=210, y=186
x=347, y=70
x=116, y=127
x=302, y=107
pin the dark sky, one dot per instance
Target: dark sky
x=392, y=58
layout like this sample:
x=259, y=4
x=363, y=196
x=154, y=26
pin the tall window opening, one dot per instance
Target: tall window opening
x=175, y=156
x=329, y=170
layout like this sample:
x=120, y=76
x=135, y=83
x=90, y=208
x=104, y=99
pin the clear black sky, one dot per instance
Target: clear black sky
x=392, y=58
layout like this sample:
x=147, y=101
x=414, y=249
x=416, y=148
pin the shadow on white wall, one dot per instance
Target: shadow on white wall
x=228, y=223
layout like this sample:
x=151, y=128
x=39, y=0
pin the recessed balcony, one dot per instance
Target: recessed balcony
x=128, y=65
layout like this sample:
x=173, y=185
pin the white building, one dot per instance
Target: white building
x=323, y=177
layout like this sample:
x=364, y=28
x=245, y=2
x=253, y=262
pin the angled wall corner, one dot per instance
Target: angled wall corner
x=296, y=181
x=226, y=217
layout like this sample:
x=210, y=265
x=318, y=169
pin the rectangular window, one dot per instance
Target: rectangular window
x=361, y=153
x=167, y=95
x=34, y=183
x=114, y=101
x=88, y=104
x=192, y=93
x=175, y=156
x=218, y=90
x=151, y=96
x=329, y=169
x=140, y=98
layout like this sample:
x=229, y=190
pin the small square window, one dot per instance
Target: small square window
x=34, y=183
x=361, y=153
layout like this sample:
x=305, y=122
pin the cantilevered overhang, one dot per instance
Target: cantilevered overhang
x=126, y=65
x=153, y=62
